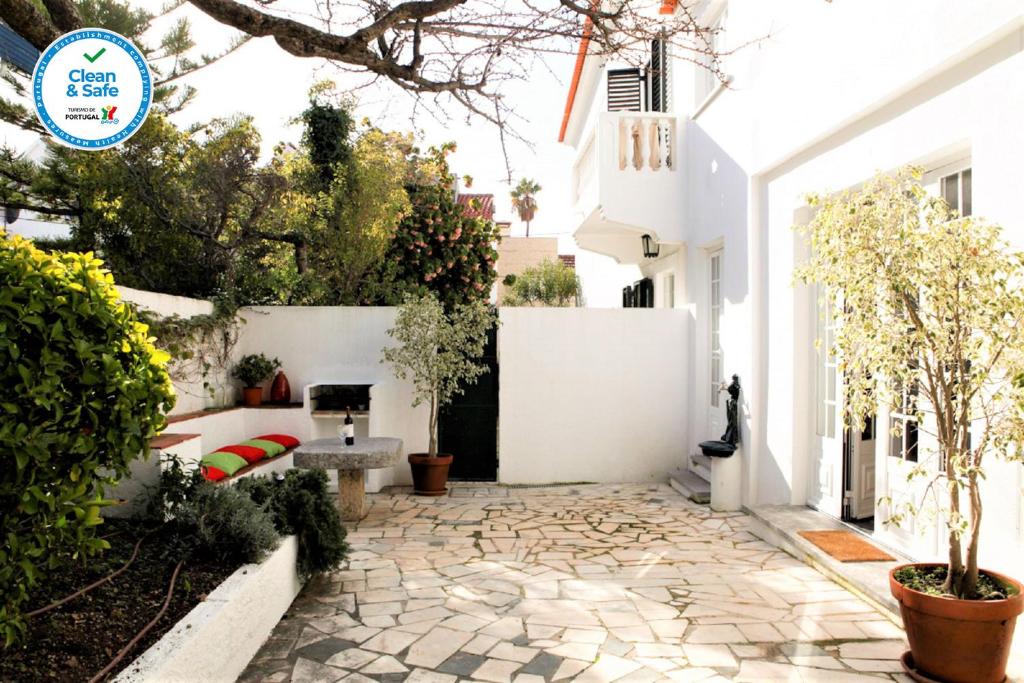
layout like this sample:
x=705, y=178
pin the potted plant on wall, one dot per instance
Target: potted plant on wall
x=928, y=308
x=437, y=351
x=252, y=371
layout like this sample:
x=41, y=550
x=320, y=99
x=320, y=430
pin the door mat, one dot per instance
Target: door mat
x=846, y=546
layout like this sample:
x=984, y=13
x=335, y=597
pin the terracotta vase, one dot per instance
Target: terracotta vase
x=957, y=641
x=252, y=396
x=429, y=475
x=280, y=390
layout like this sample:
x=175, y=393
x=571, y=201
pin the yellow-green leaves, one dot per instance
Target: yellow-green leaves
x=928, y=308
x=83, y=390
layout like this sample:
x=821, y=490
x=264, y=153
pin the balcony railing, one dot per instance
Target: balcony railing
x=626, y=183
x=644, y=140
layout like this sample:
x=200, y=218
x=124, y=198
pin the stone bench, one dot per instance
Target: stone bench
x=351, y=462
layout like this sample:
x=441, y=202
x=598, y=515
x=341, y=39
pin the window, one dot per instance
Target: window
x=956, y=190
x=826, y=369
x=715, y=318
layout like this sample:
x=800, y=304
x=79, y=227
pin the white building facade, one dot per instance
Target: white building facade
x=820, y=97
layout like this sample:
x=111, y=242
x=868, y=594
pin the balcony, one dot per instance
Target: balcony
x=627, y=182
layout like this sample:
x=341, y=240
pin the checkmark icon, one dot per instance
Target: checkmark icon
x=92, y=59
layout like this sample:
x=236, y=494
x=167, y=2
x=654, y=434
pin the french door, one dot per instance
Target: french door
x=826, y=477
x=716, y=403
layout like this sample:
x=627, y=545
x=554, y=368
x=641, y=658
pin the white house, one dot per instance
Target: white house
x=822, y=96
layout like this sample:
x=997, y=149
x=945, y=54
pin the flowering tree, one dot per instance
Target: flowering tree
x=437, y=247
x=928, y=308
x=438, y=351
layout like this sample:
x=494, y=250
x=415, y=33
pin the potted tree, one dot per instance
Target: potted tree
x=928, y=308
x=437, y=351
x=251, y=371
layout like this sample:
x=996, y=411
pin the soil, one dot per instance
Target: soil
x=929, y=581
x=77, y=640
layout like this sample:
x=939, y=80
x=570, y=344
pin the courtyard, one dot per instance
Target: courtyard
x=602, y=582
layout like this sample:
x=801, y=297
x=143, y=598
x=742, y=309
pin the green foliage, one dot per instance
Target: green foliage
x=928, y=310
x=199, y=345
x=225, y=524
x=328, y=128
x=82, y=391
x=254, y=368
x=438, y=351
x=437, y=247
x=550, y=283
x=346, y=194
x=301, y=504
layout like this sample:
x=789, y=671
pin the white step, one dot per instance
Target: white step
x=690, y=485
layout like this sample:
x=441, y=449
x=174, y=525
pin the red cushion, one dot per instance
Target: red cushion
x=285, y=440
x=248, y=453
x=212, y=473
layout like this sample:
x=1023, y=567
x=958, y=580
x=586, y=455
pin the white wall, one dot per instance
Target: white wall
x=340, y=345
x=591, y=394
x=191, y=395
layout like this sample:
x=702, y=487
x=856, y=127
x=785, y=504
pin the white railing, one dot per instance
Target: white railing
x=644, y=140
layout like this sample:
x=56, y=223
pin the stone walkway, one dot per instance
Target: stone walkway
x=586, y=583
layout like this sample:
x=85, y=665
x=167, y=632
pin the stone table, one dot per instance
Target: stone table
x=351, y=462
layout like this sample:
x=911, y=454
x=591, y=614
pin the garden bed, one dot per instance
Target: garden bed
x=77, y=640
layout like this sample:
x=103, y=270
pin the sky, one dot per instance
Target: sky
x=264, y=81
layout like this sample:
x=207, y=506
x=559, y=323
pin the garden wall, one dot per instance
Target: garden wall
x=192, y=396
x=591, y=394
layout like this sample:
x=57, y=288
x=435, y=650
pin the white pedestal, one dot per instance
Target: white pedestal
x=727, y=483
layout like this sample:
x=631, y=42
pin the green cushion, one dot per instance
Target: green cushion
x=228, y=463
x=270, y=447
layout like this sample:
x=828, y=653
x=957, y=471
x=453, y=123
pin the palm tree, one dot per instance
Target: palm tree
x=524, y=200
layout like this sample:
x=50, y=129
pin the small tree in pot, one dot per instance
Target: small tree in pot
x=437, y=351
x=929, y=314
x=251, y=371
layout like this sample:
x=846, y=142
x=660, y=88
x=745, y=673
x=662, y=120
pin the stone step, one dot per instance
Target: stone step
x=701, y=464
x=690, y=485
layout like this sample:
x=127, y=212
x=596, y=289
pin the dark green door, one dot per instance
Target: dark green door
x=468, y=427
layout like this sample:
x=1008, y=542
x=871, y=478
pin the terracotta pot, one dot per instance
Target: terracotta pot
x=958, y=641
x=252, y=396
x=429, y=475
x=281, y=390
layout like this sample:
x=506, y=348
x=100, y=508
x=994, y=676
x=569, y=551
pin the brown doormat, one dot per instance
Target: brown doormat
x=846, y=546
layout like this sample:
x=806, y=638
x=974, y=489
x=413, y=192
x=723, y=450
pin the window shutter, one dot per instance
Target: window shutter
x=624, y=90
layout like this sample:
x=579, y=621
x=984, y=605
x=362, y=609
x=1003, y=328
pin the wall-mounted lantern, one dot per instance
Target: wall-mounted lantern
x=651, y=247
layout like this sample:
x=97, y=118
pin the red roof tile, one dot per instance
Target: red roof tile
x=484, y=206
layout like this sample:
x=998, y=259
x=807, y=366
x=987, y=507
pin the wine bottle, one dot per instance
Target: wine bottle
x=349, y=430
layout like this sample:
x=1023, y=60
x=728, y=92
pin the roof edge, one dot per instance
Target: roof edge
x=581, y=57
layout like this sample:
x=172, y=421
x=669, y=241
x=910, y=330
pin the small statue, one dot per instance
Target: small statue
x=732, y=430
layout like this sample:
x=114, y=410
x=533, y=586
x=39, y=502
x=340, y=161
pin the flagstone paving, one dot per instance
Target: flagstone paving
x=587, y=583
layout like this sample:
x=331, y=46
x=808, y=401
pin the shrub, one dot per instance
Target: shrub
x=224, y=524
x=438, y=246
x=300, y=504
x=82, y=391
x=254, y=368
x=549, y=283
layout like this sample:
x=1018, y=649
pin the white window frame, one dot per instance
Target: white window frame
x=716, y=306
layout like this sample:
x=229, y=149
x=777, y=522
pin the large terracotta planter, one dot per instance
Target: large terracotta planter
x=958, y=641
x=429, y=475
x=252, y=396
